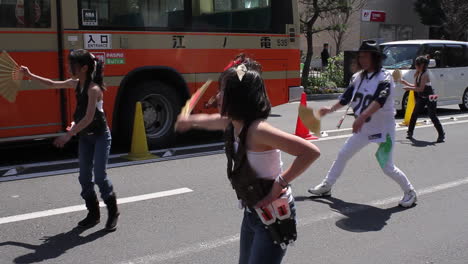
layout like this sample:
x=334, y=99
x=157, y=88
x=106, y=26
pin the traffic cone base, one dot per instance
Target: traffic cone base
x=301, y=130
x=139, y=149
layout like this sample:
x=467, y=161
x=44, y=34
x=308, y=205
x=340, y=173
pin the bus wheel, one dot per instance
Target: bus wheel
x=160, y=104
x=464, y=104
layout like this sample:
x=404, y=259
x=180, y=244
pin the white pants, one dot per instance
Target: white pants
x=352, y=146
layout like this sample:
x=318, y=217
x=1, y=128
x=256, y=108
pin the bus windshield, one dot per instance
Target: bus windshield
x=399, y=56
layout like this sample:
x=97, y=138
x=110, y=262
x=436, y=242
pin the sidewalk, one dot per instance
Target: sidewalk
x=323, y=96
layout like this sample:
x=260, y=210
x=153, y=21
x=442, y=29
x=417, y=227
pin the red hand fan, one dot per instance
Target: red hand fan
x=192, y=102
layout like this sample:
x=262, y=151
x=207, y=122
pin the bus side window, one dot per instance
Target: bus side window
x=242, y=15
x=140, y=14
x=25, y=14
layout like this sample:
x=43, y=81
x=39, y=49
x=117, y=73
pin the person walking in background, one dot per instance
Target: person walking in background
x=325, y=55
x=424, y=93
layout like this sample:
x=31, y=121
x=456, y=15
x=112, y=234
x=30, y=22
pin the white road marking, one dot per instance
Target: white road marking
x=199, y=154
x=397, y=129
x=11, y=172
x=208, y=245
x=203, y=246
x=76, y=208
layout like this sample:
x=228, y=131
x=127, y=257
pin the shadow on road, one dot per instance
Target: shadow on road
x=417, y=143
x=357, y=218
x=54, y=246
x=448, y=111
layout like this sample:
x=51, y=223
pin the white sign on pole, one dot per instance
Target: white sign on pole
x=366, y=15
x=97, y=41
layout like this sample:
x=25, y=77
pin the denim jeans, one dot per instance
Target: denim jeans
x=93, y=153
x=256, y=244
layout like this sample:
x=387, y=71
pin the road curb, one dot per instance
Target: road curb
x=323, y=96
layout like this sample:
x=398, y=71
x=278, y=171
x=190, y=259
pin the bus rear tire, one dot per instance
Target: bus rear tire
x=160, y=104
x=464, y=104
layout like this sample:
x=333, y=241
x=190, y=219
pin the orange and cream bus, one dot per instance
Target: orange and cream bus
x=155, y=51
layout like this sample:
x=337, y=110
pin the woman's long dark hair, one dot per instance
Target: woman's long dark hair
x=244, y=100
x=94, y=74
x=421, y=60
x=376, y=60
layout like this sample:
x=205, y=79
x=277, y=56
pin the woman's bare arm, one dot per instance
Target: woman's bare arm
x=48, y=83
x=407, y=83
x=201, y=121
x=304, y=151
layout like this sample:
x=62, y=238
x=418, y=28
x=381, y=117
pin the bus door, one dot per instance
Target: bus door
x=28, y=32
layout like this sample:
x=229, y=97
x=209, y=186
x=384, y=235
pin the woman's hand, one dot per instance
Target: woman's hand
x=274, y=194
x=408, y=88
x=183, y=123
x=62, y=140
x=358, y=123
x=26, y=72
x=325, y=110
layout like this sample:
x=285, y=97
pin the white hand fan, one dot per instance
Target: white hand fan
x=311, y=119
x=397, y=75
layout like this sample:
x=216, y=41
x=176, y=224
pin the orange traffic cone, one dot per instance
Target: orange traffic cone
x=301, y=130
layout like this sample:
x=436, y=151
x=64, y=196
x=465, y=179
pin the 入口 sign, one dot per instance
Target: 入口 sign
x=97, y=41
x=373, y=16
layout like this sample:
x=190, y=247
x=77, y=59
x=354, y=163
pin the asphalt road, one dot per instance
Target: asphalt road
x=197, y=221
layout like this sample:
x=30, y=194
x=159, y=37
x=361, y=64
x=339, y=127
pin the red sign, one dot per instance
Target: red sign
x=377, y=16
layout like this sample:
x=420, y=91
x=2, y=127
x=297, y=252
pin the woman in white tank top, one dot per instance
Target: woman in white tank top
x=243, y=102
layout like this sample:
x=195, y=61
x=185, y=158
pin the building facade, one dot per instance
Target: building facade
x=381, y=20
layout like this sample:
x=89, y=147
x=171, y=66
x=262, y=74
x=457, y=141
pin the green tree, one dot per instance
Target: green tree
x=449, y=15
x=341, y=21
x=310, y=12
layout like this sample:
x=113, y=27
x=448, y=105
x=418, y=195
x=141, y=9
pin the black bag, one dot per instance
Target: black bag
x=249, y=189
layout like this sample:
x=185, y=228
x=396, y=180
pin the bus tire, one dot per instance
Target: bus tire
x=464, y=104
x=161, y=105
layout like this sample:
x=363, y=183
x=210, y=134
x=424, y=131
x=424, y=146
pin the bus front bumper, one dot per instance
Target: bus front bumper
x=295, y=93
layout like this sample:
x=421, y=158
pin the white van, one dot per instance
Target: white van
x=448, y=68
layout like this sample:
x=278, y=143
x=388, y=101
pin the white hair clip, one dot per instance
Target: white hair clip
x=241, y=70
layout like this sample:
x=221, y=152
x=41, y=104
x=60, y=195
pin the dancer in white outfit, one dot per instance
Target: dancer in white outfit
x=370, y=94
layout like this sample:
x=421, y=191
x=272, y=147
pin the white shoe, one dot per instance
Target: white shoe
x=409, y=199
x=323, y=189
